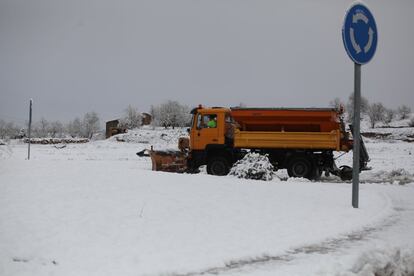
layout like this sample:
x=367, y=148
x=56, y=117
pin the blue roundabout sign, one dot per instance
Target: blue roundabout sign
x=359, y=34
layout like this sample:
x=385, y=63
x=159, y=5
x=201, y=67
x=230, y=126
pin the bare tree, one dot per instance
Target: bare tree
x=41, y=128
x=404, y=111
x=350, y=107
x=74, y=128
x=8, y=130
x=389, y=115
x=171, y=114
x=132, y=118
x=90, y=124
x=2, y=129
x=337, y=103
x=56, y=129
x=376, y=113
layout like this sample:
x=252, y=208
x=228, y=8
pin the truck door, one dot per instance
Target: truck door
x=206, y=131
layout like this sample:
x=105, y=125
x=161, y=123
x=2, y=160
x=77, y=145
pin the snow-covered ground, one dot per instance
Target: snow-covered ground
x=98, y=209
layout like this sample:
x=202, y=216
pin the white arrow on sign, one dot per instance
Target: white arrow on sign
x=353, y=41
x=359, y=16
x=370, y=39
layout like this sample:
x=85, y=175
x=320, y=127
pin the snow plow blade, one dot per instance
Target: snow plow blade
x=166, y=161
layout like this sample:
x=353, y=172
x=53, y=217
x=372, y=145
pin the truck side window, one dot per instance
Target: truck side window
x=207, y=121
x=211, y=121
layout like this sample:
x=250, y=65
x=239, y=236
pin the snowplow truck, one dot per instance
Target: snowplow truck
x=301, y=140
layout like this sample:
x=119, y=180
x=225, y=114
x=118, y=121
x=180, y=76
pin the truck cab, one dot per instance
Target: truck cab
x=211, y=140
x=208, y=127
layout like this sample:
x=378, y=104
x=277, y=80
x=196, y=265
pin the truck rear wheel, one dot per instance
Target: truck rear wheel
x=218, y=166
x=316, y=173
x=300, y=167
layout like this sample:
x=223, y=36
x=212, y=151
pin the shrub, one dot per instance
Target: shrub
x=253, y=166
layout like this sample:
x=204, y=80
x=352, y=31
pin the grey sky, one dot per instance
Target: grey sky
x=76, y=56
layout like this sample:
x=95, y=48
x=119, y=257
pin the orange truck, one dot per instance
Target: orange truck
x=301, y=140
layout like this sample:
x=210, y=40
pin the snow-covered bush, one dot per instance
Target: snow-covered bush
x=401, y=176
x=253, y=166
x=396, y=176
x=411, y=123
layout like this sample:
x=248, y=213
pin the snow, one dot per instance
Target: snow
x=253, y=166
x=98, y=209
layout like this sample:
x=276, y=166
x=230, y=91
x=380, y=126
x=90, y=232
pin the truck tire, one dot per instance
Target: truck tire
x=300, y=167
x=316, y=173
x=218, y=166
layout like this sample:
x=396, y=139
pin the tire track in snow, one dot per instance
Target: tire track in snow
x=328, y=246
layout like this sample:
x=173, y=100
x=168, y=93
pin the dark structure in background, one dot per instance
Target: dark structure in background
x=146, y=119
x=112, y=128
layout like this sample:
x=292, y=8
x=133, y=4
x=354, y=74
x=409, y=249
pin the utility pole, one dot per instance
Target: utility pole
x=30, y=128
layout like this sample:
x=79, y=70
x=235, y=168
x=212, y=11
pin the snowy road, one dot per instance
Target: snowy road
x=96, y=209
x=387, y=248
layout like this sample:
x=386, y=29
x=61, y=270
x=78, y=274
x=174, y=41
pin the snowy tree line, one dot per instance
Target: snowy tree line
x=173, y=114
x=168, y=114
x=8, y=129
x=375, y=112
x=81, y=128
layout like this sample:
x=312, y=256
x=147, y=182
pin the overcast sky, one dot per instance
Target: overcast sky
x=76, y=56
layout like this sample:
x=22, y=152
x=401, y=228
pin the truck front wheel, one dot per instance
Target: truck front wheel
x=300, y=167
x=218, y=166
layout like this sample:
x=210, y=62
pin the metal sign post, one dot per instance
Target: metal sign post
x=30, y=128
x=357, y=142
x=360, y=37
